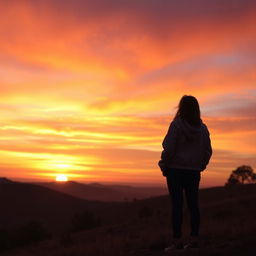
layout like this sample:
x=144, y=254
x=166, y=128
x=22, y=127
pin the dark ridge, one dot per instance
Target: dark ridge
x=4, y=180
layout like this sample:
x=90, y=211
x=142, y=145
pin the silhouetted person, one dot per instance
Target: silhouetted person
x=186, y=152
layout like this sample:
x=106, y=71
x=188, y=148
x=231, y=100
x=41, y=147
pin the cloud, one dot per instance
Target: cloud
x=102, y=78
x=125, y=35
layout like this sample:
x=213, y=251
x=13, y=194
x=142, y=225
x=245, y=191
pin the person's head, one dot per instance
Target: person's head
x=189, y=110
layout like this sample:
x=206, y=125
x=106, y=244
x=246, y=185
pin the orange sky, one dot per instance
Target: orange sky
x=88, y=88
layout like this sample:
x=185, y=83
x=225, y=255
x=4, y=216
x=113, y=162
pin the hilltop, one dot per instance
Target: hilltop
x=142, y=228
x=4, y=180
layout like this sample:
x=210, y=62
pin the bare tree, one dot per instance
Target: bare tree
x=241, y=175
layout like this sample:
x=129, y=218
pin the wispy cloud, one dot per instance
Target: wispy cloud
x=100, y=80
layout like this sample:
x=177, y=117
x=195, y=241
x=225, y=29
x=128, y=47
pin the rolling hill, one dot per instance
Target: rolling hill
x=142, y=227
x=23, y=202
x=107, y=193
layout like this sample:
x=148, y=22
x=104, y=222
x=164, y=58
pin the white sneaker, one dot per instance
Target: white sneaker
x=174, y=246
x=192, y=245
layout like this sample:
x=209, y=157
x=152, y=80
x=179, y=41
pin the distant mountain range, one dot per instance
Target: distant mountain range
x=107, y=193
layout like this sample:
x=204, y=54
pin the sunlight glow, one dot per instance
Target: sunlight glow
x=61, y=177
x=94, y=99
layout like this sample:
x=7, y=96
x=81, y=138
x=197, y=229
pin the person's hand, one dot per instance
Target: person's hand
x=165, y=172
x=161, y=164
x=163, y=167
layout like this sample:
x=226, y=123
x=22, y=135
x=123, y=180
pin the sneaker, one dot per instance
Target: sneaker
x=174, y=246
x=192, y=245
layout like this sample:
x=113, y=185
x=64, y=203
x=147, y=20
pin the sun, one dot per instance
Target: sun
x=61, y=177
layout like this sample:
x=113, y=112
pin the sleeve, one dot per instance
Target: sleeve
x=169, y=144
x=208, y=149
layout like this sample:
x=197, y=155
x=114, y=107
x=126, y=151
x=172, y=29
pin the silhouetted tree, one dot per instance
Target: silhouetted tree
x=241, y=175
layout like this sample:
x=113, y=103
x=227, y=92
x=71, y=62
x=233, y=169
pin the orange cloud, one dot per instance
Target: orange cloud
x=94, y=84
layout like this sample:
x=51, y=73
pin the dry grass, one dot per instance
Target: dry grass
x=228, y=228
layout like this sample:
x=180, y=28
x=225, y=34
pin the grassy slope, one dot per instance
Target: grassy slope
x=228, y=228
x=22, y=202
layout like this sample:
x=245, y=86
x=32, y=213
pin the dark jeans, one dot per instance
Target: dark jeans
x=177, y=181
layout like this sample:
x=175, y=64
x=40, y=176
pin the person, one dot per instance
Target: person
x=186, y=153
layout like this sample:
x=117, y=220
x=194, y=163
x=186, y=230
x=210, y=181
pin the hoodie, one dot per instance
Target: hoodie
x=185, y=147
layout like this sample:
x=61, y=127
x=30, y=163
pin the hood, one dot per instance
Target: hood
x=190, y=132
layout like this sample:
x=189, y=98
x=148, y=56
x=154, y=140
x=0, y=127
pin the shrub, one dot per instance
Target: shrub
x=83, y=221
x=30, y=233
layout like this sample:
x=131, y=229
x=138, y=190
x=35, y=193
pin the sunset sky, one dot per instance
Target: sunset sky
x=89, y=87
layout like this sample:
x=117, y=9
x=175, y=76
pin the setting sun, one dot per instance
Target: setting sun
x=85, y=93
x=61, y=177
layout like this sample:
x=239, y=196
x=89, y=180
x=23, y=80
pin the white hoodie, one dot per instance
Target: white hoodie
x=186, y=147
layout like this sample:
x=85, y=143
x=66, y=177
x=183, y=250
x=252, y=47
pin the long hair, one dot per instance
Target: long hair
x=189, y=110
